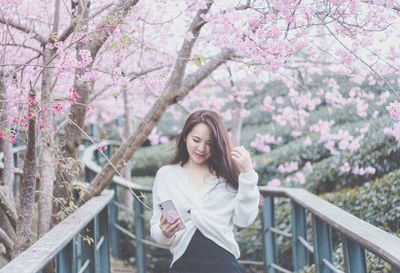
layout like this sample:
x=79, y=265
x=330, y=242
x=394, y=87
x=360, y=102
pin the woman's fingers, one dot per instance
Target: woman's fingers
x=174, y=227
x=169, y=229
x=242, y=157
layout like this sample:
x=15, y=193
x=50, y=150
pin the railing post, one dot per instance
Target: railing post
x=89, y=175
x=139, y=226
x=269, y=237
x=299, y=229
x=94, y=130
x=65, y=259
x=115, y=251
x=322, y=244
x=104, y=248
x=354, y=257
x=77, y=253
x=96, y=241
x=15, y=157
x=395, y=269
x=87, y=248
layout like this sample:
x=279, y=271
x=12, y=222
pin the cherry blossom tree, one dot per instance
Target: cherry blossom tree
x=92, y=62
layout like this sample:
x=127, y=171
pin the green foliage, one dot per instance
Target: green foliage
x=376, y=202
x=147, y=160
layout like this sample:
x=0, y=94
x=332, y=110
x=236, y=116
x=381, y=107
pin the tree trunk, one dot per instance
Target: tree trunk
x=8, y=216
x=28, y=185
x=46, y=149
x=6, y=241
x=72, y=138
x=10, y=232
x=237, y=122
x=127, y=197
x=8, y=171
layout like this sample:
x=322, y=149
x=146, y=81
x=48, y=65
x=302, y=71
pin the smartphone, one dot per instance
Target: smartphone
x=169, y=210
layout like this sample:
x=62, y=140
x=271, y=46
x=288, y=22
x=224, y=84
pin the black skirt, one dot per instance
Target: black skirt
x=204, y=256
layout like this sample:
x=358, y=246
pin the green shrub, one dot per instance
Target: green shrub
x=376, y=202
x=147, y=160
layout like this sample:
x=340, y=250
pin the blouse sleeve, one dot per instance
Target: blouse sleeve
x=155, y=230
x=247, y=199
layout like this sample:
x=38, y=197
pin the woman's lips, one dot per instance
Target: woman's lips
x=198, y=155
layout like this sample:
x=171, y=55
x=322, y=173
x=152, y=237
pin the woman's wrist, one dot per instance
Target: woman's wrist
x=247, y=170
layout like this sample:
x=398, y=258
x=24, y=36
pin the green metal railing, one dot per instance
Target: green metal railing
x=90, y=158
x=78, y=244
x=358, y=236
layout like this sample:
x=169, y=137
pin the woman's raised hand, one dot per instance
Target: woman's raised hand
x=168, y=229
x=242, y=158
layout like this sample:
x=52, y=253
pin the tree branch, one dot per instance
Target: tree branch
x=23, y=28
x=24, y=46
x=104, y=30
x=6, y=240
x=193, y=79
x=169, y=96
x=126, y=151
x=364, y=62
x=8, y=209
x=70, y=29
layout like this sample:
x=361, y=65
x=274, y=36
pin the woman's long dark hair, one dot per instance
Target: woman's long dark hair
x=220, y=160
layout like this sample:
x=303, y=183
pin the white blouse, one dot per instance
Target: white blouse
x=214, y=210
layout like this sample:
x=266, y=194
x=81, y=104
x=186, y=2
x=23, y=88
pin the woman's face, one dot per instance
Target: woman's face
x=198, y=143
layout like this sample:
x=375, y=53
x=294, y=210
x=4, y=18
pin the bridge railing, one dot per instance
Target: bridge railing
x=358, y=236
x=89, y=157
x=80, y=243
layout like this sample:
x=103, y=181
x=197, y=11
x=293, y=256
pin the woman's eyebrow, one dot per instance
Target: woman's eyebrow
x=208, y=140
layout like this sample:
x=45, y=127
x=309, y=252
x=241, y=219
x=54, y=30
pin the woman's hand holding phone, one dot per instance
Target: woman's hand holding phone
x=169, y=229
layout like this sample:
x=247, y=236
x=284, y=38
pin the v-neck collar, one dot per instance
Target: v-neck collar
x=204, y=189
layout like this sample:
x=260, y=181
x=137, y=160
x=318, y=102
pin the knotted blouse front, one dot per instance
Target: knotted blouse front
x=214, y=210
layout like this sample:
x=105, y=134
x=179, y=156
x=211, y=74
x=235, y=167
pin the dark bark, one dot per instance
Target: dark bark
x=8, y=171
x=28, y=185
x=46, y=149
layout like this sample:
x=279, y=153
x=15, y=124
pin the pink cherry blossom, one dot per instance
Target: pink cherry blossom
x=288, y=167
x=274, y=183
x=345, y=168
x=393, y=131
x=299, y=178
x=307, y=142
x=74, y=96
x=394, y=110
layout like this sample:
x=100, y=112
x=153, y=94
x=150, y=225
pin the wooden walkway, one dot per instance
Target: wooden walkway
x=118, y=266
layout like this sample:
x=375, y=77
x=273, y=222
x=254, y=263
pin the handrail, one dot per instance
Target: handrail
x=14, y=151
x=46, y=248
x=87, y=159
x=372, y=238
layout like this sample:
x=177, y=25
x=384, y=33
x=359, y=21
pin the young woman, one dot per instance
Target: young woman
x=214, y=187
